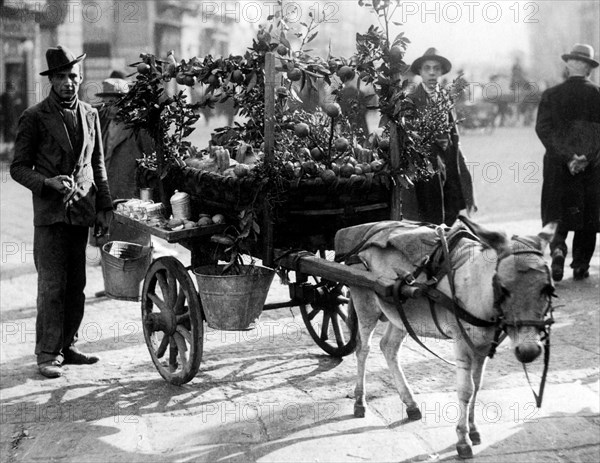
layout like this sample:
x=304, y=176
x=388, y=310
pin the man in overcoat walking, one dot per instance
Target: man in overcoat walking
x=450, y=190
x=58, y=156
x=568, y=125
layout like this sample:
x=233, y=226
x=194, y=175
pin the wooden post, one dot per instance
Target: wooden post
x=396, y=206
x=269, y=139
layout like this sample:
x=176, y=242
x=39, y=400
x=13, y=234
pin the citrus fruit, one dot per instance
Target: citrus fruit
x=332, y=109
x=295, y=74
x=341, y=144
x=345, y=73
x=302, y=130
x=143, y=68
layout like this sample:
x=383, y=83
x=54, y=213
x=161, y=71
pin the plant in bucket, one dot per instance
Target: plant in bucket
x=233, y=294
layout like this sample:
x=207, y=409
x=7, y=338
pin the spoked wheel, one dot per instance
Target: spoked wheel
x=331, y=319
x=172, y=320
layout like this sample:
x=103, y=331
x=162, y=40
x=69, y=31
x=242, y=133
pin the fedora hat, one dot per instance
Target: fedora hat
x=582, y=52
x=114, y=87
x=58, y=58
x=431, y=54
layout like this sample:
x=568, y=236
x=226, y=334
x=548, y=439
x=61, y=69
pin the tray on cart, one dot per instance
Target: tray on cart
x=170, y=236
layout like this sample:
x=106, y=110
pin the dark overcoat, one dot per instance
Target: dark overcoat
x=43, y=150
x=568, y=122
x=439, y=199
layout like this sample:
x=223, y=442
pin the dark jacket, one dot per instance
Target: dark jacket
x=439, y=199
x=122, y=148
x=43, y=150
x=568, y=122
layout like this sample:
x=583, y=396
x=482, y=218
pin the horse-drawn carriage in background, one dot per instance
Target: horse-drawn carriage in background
x=295, y=209
x=498, y=103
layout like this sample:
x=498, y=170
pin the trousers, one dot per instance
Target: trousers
x=60, y=260
x=584, y=243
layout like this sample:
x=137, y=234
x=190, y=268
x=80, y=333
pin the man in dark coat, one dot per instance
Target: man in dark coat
x=58, y=156
x=450, y=190
x=568, y=124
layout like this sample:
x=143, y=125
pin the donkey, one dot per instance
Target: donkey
x=503, y=288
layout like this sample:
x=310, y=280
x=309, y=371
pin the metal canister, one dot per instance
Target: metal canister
x=146, y=194
x=180, y=205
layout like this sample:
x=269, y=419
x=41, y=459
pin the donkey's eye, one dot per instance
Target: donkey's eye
x=505, y=291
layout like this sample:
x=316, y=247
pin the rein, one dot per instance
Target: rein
x=460, y=313
x=542, y=325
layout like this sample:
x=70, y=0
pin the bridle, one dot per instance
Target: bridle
x=543, y=326
x=500, y=323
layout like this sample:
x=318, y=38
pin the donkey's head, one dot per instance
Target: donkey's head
x=522, y=287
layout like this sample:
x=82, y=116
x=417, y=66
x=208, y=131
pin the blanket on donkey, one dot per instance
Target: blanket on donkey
x=414, y=240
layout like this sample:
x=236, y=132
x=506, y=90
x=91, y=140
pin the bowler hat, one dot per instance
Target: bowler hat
x=582, y=52
x=59, y=58
x=431, y=54
x=114, y=87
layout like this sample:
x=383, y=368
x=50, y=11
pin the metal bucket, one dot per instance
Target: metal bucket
x=233, y=302
x=124, y=266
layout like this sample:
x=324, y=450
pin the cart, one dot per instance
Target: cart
x=173, y=317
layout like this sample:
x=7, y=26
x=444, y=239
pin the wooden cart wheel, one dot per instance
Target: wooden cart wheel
x=172, y=320
x=331, y=319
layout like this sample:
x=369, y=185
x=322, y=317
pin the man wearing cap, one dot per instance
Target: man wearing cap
x=568, y=125
x=58, y=156
x=450, y=190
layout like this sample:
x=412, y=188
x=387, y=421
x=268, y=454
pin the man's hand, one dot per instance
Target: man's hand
x=61, y=183
x=103, y=221
x=577, y=164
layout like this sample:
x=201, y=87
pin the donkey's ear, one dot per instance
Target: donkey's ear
x=547, y=234
x=494, y=239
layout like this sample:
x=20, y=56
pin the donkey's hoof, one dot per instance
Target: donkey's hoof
x=359, y=411
x=475, y=437
x=414, y=414
x=464, y=451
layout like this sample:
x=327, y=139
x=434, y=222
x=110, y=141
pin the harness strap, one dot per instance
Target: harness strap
x=454, y=306
x=409, y=329
x=435, y=319
x=455, y=303
x=538, y=397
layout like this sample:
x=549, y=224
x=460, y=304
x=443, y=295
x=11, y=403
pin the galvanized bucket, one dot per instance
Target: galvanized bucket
x=124, y=266
x=233, y=302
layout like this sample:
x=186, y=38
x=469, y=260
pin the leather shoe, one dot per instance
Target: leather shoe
x=558, y=264
x=51, y=369
x=74, y=357
x=580, y=273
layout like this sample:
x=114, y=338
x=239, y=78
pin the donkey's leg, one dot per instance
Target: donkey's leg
x=465, y=389
x=477, y=369
x=390, y=344
x=367, y=313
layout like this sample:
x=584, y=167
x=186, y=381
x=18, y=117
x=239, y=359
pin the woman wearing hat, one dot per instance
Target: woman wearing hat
x=568, y=124
x=441, y=198
x=58, y=156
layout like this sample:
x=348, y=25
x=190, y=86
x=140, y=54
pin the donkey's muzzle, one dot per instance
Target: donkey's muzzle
x=527, y=352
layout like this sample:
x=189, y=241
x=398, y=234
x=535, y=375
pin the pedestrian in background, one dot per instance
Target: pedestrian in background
x=568, y=125
x=122, y=146
x=58, y=156
x=450, y=190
